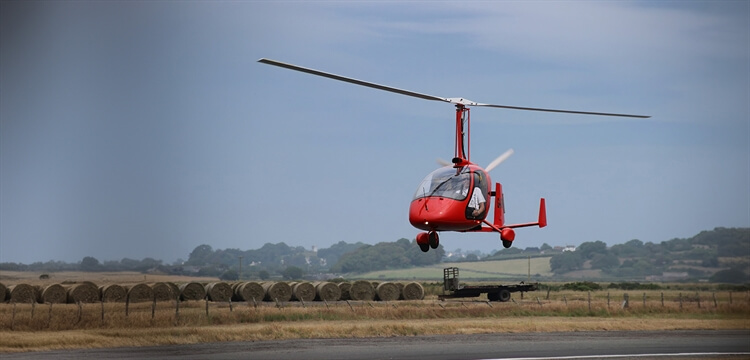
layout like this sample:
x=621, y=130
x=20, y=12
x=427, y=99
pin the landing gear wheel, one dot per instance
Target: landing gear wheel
x=434, y=239
x=507, y=244
x=424, y=247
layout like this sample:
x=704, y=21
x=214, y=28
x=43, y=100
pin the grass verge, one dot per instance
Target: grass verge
x=97, y=326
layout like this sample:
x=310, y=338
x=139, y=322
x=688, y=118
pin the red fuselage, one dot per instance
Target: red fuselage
x=442, y=198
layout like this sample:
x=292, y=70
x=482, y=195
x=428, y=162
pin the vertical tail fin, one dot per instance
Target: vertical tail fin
x=542, y=213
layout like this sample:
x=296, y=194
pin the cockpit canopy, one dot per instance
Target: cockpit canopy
x=446, y=182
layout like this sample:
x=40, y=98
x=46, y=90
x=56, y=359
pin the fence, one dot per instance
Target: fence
x=52, y=316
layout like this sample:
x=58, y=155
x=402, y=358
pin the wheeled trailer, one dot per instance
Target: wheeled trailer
x=494, y=292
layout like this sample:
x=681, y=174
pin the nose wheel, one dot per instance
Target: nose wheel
x=428, y=240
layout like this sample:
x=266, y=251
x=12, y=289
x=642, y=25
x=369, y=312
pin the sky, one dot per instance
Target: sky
x=145, y=129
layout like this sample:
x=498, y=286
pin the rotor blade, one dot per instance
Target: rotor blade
x=499, y=160
x=351, y=80
x=457, y=101
x=561, y=111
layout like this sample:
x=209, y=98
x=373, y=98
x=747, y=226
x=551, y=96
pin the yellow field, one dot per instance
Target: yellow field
x=99, y=278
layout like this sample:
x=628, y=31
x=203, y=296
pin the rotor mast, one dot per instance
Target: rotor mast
x=461, y=156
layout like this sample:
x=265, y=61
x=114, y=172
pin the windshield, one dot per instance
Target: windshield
x=444, y=182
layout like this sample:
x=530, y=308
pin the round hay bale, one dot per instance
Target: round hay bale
x=85, y=292
x=175, y=290
x=192, y=291
x=413, y=291
x=3, y=292
x=327, y=291
x=303, y=291
x=280, y=291
x=113, y=293
x=54, y=294
x=22, y=293
x=400, y=290
x=140, y=293
x=344, y=287
x=163, y=292
x=250, y=291
x=362, y=290
x=387, y=291
x=219, y=291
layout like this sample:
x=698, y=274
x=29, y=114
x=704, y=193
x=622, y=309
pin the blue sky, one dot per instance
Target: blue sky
x=144, y=129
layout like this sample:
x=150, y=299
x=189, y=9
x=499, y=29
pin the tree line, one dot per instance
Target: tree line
x=698, y=256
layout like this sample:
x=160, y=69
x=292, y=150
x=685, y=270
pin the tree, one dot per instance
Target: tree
x=292, y=273
x=589, y=249
x=264, y=275
x=200, y=255
x=730, y=276
x=230, y=275
x=608, y=261
x=90, y=264
x=566, y=261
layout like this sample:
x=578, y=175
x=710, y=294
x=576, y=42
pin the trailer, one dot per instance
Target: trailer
x=494, y=292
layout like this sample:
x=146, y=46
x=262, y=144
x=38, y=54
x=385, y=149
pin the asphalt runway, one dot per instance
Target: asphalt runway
x=690, y=344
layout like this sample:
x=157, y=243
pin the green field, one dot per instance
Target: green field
x=513, y=270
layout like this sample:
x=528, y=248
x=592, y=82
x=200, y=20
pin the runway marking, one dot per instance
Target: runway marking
x=624, y=356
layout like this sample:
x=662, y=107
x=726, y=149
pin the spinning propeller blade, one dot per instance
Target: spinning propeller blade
x=457, y=101
x=499, y=160
x=443, y=162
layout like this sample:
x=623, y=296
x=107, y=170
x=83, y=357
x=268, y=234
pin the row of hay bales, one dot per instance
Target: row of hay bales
x=87, y=292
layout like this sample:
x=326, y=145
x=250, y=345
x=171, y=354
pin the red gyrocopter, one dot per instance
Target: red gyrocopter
x=456, y=197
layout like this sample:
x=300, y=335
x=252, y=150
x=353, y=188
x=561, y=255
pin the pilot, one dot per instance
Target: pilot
x=477, y=204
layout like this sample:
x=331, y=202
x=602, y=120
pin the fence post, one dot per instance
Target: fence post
x=607, y=299
x=589, y=300
x=153, y=308
x=698, y=296
x=730, y=298
x=127, y=305
x=13, y=316
x=715, y=303
x=102, y=302
x=644, y=299
x=625, y=300
x=206, y=306
x=565, y=298
x=680, y=301
x=32, y=308
x=662, y=299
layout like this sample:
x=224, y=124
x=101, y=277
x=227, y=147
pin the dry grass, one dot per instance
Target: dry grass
x=34, y=327
x=99, y=278
x=62, y=326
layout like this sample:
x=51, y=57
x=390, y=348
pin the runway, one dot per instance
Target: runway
x=688, y=344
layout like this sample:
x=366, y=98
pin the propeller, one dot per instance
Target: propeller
x=443, y=162
x=455, y=101
x=489, y=167
x=499, y=160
